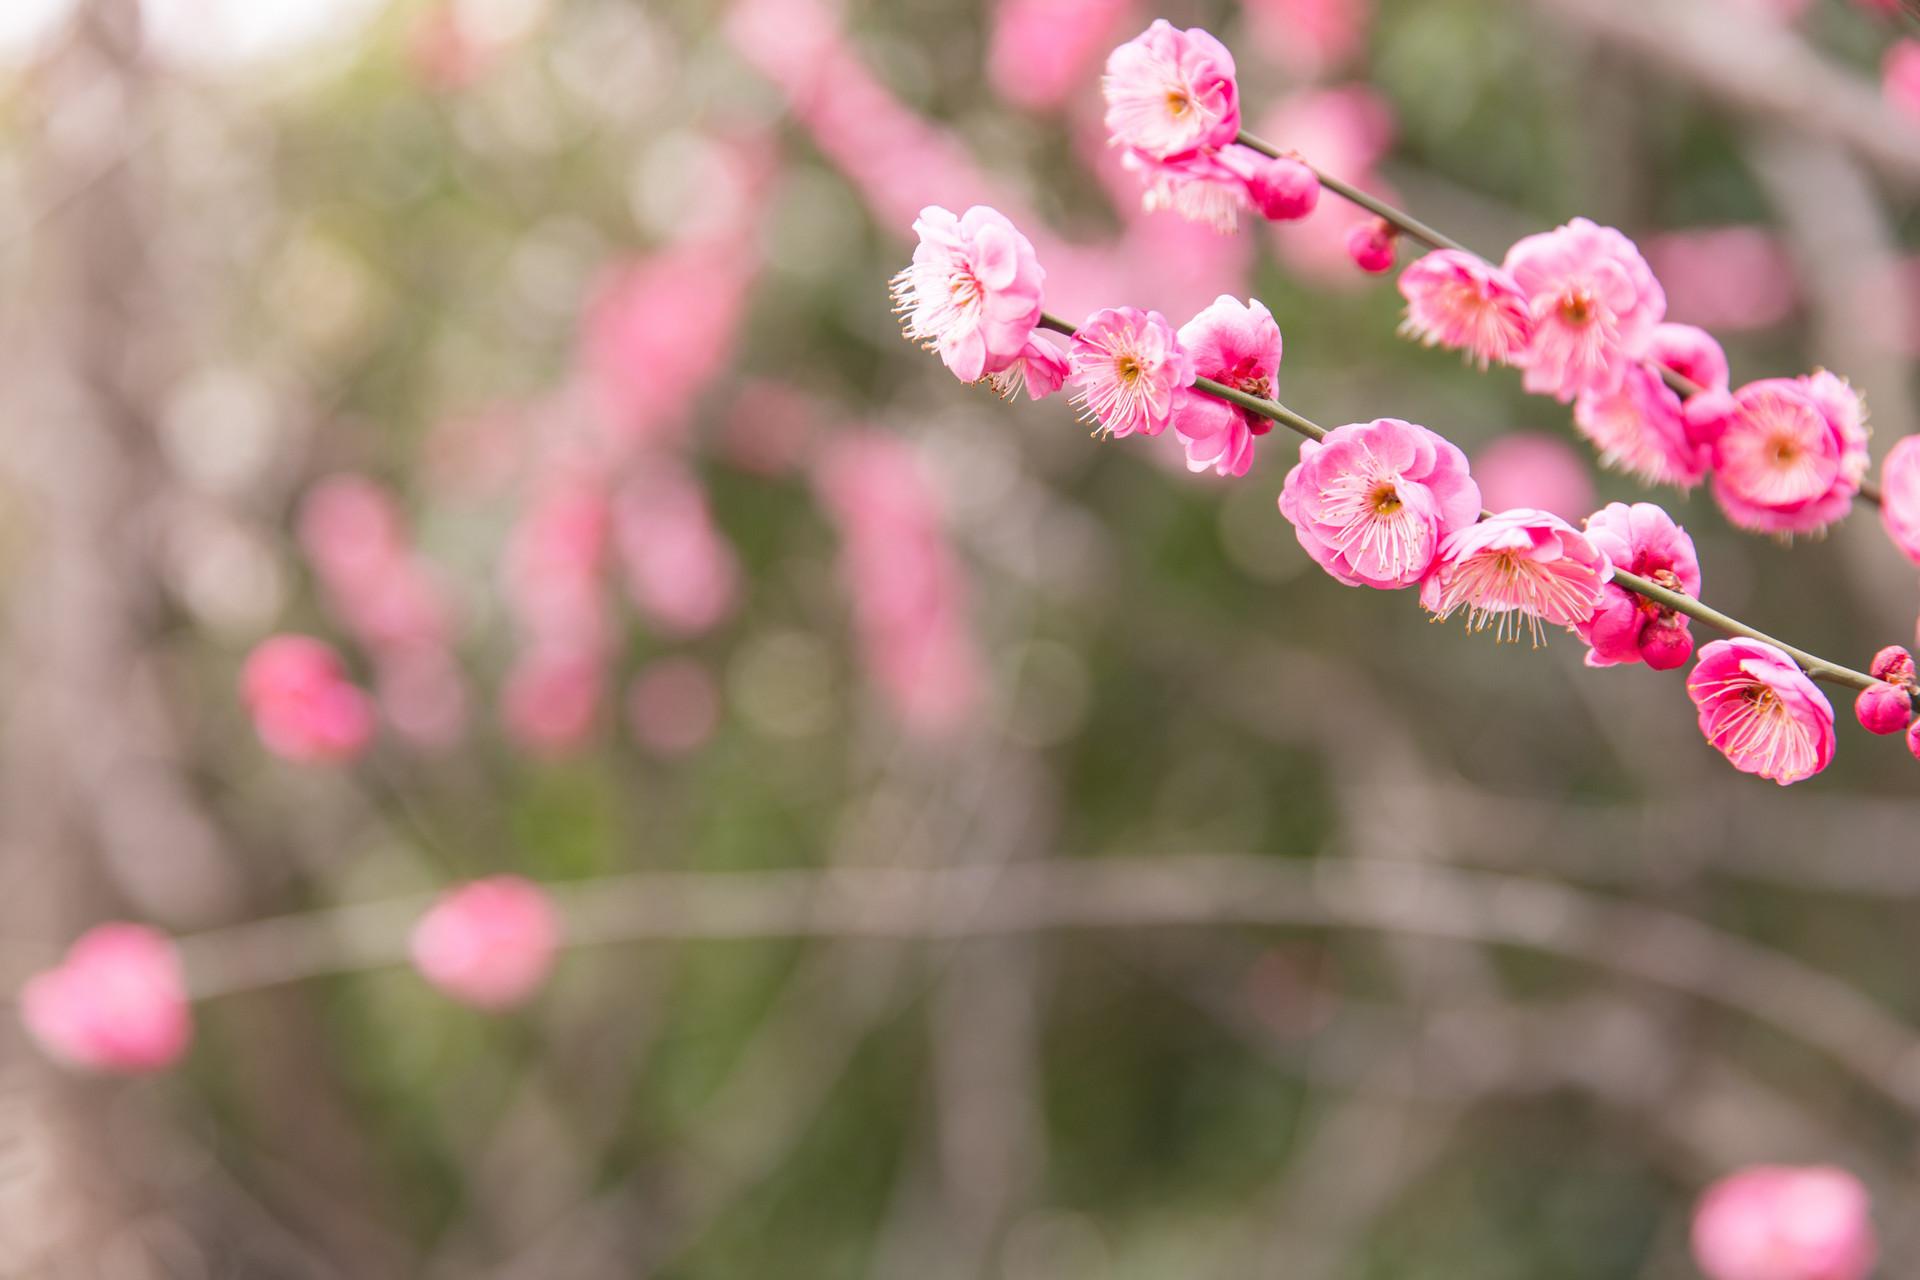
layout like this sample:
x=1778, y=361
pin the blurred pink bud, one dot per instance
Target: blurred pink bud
x=1883, y=709
x=554, y=566
x=1371, y=245
x=1893, y=664
x=1913, y=739
x=1284, y=189
x=673, y=706
x=1730, y=278
x=769, y=428
x=489, y=943
x=116, y=1003
x=1900, y=76
x=550, y=698
x=422, y=695
x=349, y=527
x=1306, y=37
x=443, y=52
x=303, y=706
x=1040, y=51
x=681, y=572
x=1532, y=469
x=1774, y=1222
x=1900, y=496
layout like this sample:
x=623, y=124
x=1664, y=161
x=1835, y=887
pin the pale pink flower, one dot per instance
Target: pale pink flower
x=973, y=291
x=1790, y=454
x=1900, y=76
x=682, y=573
x=1730, y=278
x=489, y=943
x=117, y=1002
x=1759, y=710
x=1778, y=1222
x=1040, y=51
x=304, y=707
x=1642, y=428
x=1532, y=469
x=1128, y=368
x=1641, y=539
x=1594, y=303
x=1457, y=301
x=1041, y=368
x=673, y=706
x=1308, y=36
x=551, y=697
x=1372, y=502
x=1171, y=92
x=1238, y=344
x=1900, y=496
x=1518, y=570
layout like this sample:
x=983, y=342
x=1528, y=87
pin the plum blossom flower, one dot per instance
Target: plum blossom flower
x=972, y=292
x=1128, y=367
x=1642, y=428
x=1372, y=502
x=1778, y=1222
x=1041, y=367
x=1759, y=710
x=1518, y=570
x=1790, y=454
x=1237, y=344
x=304, y=707
x=1533, y=469
x=117, y=1002
x=1900, y=496
x=1594, y=303
x=1209, y=187
x=1457, y=301
x=1628, y=627
x=489, y=943
x=1171, y=93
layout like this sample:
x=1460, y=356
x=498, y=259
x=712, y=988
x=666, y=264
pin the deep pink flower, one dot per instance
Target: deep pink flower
x=1776, y=1222
x=1900, y=496
x=1594, y=302
x=117, y=1002
x=1128, y=368
x=1239, y=344
x=1371, y=245
x=1642, y=428
x=1516, y=571
x=304, y=707
x=1790, y=455
x=1171, y=92
x=1533, y=469
x=1457, y=301
x=1900, y=76
x=1643, y=540
x=1761, y=711
x=1041, y=367
x=489, y=943
x=973, y=290
x=1372, y=502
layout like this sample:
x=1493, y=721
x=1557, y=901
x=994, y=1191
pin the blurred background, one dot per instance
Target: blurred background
x=537, y=355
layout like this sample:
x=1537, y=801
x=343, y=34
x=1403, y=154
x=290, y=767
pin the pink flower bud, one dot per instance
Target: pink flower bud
x=1774, y=1222
x=1371, y=246
x=489, y=943
x=1885, y=708
x=303, y=705
x=1664, y=647
x=1892, y=664
x=1284, y=190
x=116, y=1003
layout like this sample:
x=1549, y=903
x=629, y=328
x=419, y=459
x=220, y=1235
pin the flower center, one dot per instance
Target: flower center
x=1786, y=452
x=1576, y=308
x=1128, y=368
x=1257, y=385
x=1384, y=499
x=1178, y=103
x=963, y=290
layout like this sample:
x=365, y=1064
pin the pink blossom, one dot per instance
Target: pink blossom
x=1040, y=50
x=554, y=566
x=681, y=571
x=1041, y=367
x=117, y=1002
x=1761, y=711
x=1900, y=496
x=1457, y=301
x=1308, y=36
x=1594, y=303
x=1728, y=278
x=1128, y=368
x=1371, y=245
x=673, y=706
x=1237, y=344
x=489, y=943
x=385, y=594
x=1372, y=502
x=1643, y=427
x=1532, y=469
x=304, y=708
x=1776, y=1222
x=1209, y=187
x=1626, y=627
x=1883, y=709
x=1518, y=569
x=1791, y=454
x=549, y=701
x=1913, y=739
x=973, y=291
x=1284, y=189
x=1171, y=93
x=1900, y=76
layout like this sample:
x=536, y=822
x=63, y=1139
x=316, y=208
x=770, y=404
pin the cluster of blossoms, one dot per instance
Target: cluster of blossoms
x=119, y=1001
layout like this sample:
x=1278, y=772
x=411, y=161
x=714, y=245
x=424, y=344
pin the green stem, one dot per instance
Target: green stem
x=1814, y=665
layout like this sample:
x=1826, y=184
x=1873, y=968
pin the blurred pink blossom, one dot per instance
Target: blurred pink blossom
x=385, y=594
x=555, y=565
x=1900, y=77
x=673, y=706
x=1308, y=37
x=117, y=1002
x=1776, y=1222
x=489, y=943
x=551, y=698
x=422, y=695
x=769, y=428
x=1041, y=51
x=1732, y=278
x=680, y=570
x=304, y=708
x=1900, y=496
x=1533, y=469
